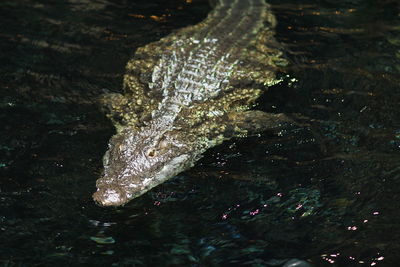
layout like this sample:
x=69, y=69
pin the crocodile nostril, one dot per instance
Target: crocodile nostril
x=110, y=196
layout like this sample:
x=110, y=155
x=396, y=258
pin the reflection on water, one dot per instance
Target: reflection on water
x=326, y=193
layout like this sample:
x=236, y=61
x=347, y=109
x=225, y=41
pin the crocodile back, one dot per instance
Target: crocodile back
x=200, y=63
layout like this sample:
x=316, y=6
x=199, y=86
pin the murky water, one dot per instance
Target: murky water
x=327, y=192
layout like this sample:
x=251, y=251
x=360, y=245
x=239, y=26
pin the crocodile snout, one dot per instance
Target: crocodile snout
x=111, y=195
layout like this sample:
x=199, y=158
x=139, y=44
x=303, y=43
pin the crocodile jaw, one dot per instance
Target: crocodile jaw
x=112, y=194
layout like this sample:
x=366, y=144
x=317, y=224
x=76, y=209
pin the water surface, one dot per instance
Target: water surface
x=326, y=192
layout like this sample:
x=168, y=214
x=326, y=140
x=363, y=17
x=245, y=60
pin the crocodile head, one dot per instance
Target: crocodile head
x=138, y=160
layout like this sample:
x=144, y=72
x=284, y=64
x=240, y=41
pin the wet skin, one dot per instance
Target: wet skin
x=187, y=93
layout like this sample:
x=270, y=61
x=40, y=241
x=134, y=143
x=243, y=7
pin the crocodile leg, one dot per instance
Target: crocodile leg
x=260, y=61
x=119, y=110
x=256, y=121
x=135, y=105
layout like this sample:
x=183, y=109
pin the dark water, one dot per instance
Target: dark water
x=327, y=192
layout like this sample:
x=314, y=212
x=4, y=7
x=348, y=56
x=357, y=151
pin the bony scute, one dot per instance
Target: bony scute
x=186, y=93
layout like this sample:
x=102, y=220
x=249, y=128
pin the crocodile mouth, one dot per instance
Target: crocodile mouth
x=113, y=195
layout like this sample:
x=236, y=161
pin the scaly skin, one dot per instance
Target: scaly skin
x=187, y=93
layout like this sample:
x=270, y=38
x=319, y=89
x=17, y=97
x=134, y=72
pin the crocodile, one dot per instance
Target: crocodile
x=186, y=93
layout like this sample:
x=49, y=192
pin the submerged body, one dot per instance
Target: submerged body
x=186, y=93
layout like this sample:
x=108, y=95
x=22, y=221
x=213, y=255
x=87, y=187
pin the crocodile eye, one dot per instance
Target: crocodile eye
x=121, y=147
x=151, y=153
